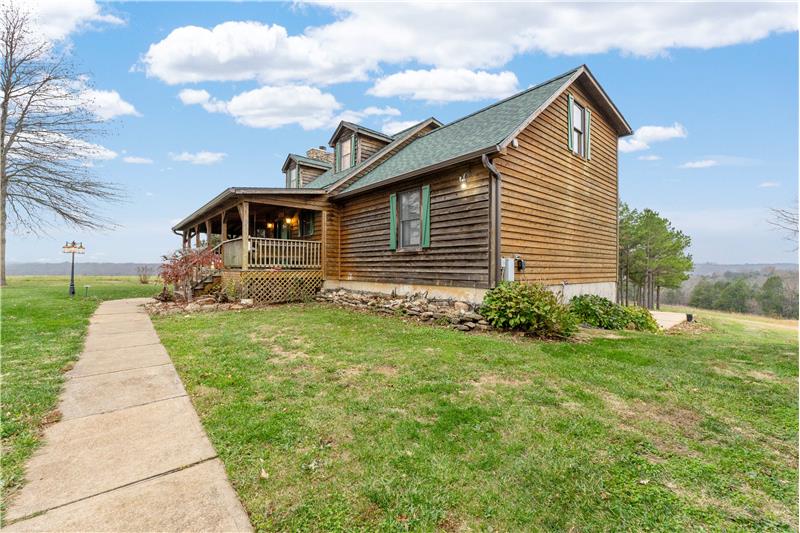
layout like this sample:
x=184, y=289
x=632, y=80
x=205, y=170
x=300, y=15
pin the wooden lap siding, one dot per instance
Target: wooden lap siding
x=309, y=174
x=367, y=147
x=459, y=250
x=559, y=210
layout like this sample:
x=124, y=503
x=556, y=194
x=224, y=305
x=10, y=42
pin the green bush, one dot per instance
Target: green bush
x=640, y=319
x=528, y=307
x=600, y=312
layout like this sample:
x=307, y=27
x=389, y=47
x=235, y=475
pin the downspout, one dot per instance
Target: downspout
x=495, y=186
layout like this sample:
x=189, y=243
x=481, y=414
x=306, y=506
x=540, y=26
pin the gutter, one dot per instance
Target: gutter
x=495, y=187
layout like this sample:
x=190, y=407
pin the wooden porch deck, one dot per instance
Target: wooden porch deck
x=271, y=254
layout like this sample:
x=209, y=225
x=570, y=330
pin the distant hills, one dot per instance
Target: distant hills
x=709, y=269
x=81, y=269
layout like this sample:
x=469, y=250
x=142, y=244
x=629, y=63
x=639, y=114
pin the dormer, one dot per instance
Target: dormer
x=353, y=144
x=301, y=170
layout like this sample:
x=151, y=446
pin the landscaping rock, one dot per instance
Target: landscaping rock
x=462, y=306
x=455, y=314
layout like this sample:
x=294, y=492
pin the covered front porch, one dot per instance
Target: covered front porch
x=249, y=231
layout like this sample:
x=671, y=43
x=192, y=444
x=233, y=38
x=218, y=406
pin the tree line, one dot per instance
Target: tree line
x=652, y=256
x=774, y=297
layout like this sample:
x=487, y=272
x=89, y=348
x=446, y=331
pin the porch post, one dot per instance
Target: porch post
x=224, y=230
x=244, y=214
x=324, y=242
x=197, y=236
x=208, y=233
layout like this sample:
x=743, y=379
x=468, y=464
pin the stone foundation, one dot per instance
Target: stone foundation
x=456, y=314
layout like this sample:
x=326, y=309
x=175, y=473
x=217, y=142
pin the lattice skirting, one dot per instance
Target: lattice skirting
x=266, y=286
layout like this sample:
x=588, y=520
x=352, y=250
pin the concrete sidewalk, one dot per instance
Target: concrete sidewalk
x=667, y=319
x=129, y=453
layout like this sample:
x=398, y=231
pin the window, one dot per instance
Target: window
x=409, y=215
x=307, y=224
x=578, y=129
x=344, y=154
x=292, y=177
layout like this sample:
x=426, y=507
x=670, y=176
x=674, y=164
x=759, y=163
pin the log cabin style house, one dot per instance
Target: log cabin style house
x=524, y=189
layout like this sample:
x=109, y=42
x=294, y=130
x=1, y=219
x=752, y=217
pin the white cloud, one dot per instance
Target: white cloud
x=769, y=184
x=393, y=126
x=134, y=160
x=446, y=85
x=106, y=105
x=448, y=36
x=54, y=20
x=359, y=116
x=649, y=157
x=702, y=163
x=199, y=158
x=645, y=135
x=273, y=107
x=202, y=98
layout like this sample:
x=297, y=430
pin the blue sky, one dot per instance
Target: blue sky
x=195, y=107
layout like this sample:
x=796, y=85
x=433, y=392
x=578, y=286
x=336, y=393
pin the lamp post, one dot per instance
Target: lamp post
x=73, y=248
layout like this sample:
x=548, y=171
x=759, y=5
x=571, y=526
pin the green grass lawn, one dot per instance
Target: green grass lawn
x=328, y=419
x=41, y=334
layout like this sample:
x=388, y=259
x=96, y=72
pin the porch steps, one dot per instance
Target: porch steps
x=203, y=286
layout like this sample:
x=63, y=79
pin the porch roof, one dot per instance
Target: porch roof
x=243, y=193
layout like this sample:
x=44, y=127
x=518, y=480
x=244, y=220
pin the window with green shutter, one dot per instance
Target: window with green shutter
x=410, y=219
x=426, y=216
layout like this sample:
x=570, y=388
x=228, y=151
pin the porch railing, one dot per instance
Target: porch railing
x=272, y=253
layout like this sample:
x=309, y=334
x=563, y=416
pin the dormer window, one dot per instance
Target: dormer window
x=292, y=177
x=345, y=153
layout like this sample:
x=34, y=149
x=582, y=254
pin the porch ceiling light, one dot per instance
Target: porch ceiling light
x=462, y=179
x=288, y=220
x=270, y=225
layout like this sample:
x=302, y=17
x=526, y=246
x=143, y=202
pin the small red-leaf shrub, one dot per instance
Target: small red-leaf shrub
x=185, y=267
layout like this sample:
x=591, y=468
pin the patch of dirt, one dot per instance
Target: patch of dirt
x=633, y=412
x=763, y=375
x=451, y=524
x=694, y=327
x=385, y=370
x=487, y=382
x=295, y=350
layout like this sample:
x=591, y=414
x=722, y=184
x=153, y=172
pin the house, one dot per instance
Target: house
x=523, y=189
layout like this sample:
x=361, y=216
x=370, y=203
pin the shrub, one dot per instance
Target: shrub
x=185, y=267
x=600, y=312
x=528, y=307
x=640, y=319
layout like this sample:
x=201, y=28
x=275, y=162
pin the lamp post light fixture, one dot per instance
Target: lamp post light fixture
x=73, y=248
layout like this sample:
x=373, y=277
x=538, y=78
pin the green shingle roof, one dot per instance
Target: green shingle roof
x=303, y=160
x=481, y=130
x=330, y=177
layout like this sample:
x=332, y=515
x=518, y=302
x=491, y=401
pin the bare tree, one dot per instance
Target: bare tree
x=45, y=131
x=787, y=221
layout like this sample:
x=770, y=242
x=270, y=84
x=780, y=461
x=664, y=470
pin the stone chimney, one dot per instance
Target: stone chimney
x=320, y=154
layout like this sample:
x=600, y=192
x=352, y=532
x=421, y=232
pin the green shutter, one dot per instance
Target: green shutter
x=338, y=157
x=311, y=225
x=569, y=122
x=353, y=151
x=426, y=216
x=393, y=222
x=588, y=133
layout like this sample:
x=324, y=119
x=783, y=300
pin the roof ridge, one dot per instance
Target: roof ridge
x=517, y=95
